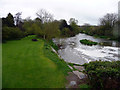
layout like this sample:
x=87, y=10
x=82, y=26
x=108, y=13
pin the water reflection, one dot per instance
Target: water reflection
x=75, y=52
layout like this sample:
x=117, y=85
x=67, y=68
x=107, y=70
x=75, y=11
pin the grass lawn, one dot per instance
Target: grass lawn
x=28, y=64
x=0, y=66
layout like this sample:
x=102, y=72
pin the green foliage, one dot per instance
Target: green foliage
x=75, y=28
x=51, y=30
x=106, y=27
x=88, y=42
x=72, y=64
x=33, y=28
x=73, y=21
x=53, y=45
x=69, y=30
x=63, y=24
x=62, y=65
x=11, y=33
x=84, y=86
x=8, y=21
x=44, y=29
x=37, y=29
x=28, y=64
x=27, y=26
x=47, y=30
x=102, y=73
x=65, y=32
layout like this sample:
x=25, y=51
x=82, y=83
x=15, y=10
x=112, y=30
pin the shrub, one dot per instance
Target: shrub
x=53, y=45
x=84, y=86
x=10, y=33
x=88, y=42
x=103, y=74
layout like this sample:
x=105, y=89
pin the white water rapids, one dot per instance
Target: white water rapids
x=75, y=52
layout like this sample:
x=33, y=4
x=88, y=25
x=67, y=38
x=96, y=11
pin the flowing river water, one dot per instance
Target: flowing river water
x=72, y=51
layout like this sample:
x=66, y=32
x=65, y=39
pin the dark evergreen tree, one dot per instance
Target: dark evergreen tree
x=63, y=24
x=8, y=21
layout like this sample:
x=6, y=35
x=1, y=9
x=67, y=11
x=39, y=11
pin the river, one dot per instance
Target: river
x=72, y=51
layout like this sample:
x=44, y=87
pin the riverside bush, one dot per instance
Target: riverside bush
x=103, y=74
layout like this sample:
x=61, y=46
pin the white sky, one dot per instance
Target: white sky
x=85, y=11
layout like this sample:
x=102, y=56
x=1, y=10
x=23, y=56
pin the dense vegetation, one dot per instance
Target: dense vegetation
x=33, y=64
x=44, y=26
x=88, y=42
x=108, y=27
x=103, y=74
x=11, y=33
x=30, y=64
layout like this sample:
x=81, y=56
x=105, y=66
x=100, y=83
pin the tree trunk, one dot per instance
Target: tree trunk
x=44, y=36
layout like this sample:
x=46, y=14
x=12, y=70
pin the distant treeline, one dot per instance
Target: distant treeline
x=108, y=27
x=44, y=26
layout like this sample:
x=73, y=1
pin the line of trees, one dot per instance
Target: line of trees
x=9, y=30
x=107, y=28
x=44, y=26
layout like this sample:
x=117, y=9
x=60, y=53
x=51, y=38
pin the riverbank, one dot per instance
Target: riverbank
x=32, y=64
x=102, y=37
x=76, y=78
x=103, y=62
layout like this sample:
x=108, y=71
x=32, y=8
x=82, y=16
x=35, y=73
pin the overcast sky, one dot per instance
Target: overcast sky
x=85, y=11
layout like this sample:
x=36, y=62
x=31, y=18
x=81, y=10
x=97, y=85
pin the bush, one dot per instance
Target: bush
x=84, y=86
x=88, y=42
x=11, y=33
x=103, y=74
x=53, y=45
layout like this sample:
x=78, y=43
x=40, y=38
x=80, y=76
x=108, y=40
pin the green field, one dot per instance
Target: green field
x=28, y=64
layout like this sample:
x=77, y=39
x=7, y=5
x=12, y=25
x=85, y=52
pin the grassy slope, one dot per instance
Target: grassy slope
x=0, y=66
x=26, y=64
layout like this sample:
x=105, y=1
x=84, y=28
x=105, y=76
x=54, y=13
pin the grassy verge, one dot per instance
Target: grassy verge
x=0, y=66
x=29, y=64
x=84, y=86
x=53, y=45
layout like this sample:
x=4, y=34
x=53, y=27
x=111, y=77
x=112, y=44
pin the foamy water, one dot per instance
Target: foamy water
x=75, y=52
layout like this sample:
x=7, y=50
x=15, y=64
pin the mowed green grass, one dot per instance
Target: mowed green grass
x=28, y=64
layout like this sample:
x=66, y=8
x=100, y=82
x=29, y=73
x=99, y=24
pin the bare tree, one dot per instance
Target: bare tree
x=17, y=18
x=86, y=24
x=109, y=20
x=73, y=21
x=44, y=16
x=28, y=18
